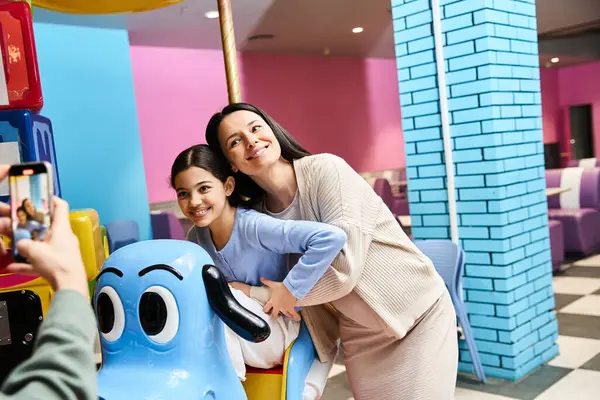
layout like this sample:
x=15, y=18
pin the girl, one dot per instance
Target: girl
x=247, y=246
x=382, y=297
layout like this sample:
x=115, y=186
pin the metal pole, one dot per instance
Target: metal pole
x=229, y=51
x=441, y=70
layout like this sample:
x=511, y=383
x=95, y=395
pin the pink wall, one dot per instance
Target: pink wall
x=550, y=104
x=566, y=87
x=177, y=91
x=345, y=106
x=579, y=85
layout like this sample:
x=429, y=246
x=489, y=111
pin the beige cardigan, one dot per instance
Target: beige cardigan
x=379, y=262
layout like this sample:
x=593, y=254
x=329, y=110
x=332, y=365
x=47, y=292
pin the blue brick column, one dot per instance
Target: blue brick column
x=492, y=77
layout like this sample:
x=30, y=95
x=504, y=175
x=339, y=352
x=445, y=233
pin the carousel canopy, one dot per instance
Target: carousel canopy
x=103, y=6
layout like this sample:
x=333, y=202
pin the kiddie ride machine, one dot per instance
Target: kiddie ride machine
x=161, y=307
x=26, y=136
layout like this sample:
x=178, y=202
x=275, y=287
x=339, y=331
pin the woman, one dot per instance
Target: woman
x=32, y=213
x=381, y=296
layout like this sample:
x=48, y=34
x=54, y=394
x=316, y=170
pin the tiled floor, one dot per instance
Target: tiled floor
x=573, y=375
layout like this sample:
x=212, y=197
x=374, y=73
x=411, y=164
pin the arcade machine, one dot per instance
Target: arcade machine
x=27, y=136
x=162, y=307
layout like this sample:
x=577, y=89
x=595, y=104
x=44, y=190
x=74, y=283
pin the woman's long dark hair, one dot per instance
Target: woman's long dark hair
x=202, y=156
x=29, y=216
x=291, y=150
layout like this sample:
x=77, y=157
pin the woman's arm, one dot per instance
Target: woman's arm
x=62, y=366
x=343, y=199
x=319, y=244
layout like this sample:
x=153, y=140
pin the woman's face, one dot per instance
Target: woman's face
x=201, y=196
x=248, y=142
x=28, y=206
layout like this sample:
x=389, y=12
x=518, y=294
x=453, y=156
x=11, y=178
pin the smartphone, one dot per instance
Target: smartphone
x=31, y=194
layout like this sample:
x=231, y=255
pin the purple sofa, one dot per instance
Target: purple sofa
x=384, y=190
x=578, y=209
x=585, y=163
x=397, y=205
x=400, y=206
x=167, y=226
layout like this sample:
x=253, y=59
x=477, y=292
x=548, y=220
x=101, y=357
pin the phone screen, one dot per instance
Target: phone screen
x=30, y=199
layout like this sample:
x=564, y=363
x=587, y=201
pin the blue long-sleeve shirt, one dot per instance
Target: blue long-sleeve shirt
x=259, y=244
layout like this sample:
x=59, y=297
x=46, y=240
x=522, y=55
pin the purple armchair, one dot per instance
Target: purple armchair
x=167, y=226
x=577, y=209
x=585, y=163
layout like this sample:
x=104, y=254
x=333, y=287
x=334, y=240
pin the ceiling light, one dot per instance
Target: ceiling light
x=211, y=14
x=555, y=60
x=358, y=29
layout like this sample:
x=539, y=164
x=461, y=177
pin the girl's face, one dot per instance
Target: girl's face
x=22, y=217
x=248, y=142
x=201, y=196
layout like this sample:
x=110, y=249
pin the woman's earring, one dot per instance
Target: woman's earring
x=234, y=169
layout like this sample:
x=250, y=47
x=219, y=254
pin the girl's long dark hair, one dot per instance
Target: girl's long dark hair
x=251, y=194
x=202, y=156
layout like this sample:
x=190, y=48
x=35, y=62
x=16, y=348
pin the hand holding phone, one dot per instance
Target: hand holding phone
x=31, y=194
x=58, y=258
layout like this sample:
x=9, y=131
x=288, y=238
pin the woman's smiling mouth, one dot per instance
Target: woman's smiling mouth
x=257, y=153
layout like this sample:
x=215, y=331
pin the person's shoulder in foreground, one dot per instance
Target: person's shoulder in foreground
x=62, y=366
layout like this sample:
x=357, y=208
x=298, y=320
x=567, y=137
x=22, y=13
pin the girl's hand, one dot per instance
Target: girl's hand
x=281, y=301
x=243, y=287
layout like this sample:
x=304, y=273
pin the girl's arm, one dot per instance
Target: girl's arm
x=319, y=243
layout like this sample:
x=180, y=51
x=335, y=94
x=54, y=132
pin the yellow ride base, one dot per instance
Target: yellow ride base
x=267, y=384
x=263, y=386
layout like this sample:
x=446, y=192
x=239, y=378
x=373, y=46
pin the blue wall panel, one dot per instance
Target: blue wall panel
x=89, y=96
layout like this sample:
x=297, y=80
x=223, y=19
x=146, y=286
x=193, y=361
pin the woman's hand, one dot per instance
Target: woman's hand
x=242, y=287
x=281, y=301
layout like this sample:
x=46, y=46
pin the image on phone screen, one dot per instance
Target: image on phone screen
x=30, y=207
